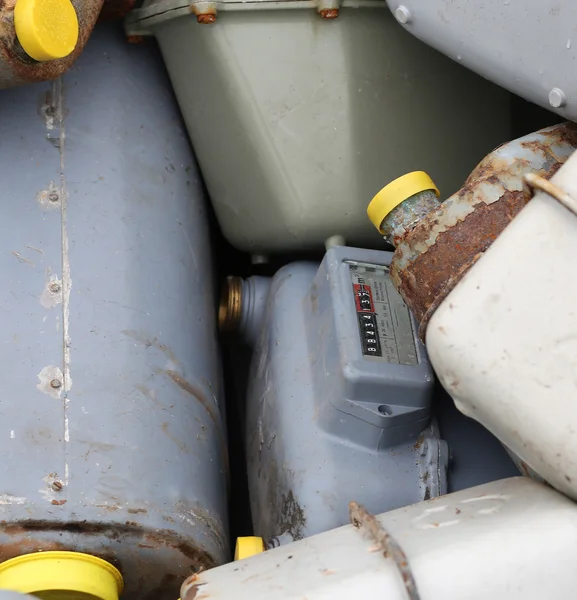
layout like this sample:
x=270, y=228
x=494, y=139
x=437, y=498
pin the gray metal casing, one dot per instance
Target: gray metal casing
x=315, y=437
x=526, y=46
x=102, y=197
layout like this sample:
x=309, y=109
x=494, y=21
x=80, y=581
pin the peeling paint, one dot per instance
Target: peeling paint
x=46, y=376
x=49, y=198
x=7, y=499
x=51, y=295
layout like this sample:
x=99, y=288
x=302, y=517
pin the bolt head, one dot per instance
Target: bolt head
x=53, y=197
x=56, y=384
x=206, y=19
x=403, y=15
x=557, y=98
x=329, y=13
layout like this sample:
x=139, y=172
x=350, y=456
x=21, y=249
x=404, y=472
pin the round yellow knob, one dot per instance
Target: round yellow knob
x=396, y=192
x=248, y=546
x=46, y=29
x=61, y=574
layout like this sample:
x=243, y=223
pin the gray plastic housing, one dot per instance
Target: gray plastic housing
x=390, y=401
x=315, y=436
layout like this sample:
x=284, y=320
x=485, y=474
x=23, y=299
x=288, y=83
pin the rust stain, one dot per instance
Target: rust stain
x=419, y=442
x=181, y=445
x=135, y=39
x=192, y=586
x=116, y=9
x=147, y=342
x=58, y=502
x=18, y=68
x=28, y=536
x=137, y=511
x=441, y=247
x=25, y=540
x=429, y=278
x=196, y=393
x=206, y=19
x=28, y=546
x=523, y=467
x=329, y=13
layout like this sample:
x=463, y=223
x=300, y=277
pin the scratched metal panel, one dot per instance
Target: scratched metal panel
x=143, y=444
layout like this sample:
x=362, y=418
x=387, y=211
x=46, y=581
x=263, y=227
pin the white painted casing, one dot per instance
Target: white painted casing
x=508, y=540
x=504, y=341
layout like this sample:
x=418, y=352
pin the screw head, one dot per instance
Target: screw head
x=557, y=98
x=57, y=486
x=403, y=15
x=56, y=384
x=54, y=287
x=53, y=197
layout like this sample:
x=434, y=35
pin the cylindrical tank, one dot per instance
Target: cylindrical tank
x=298, y=119
x=112, y=433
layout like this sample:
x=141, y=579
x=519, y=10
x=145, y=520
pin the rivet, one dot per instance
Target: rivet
x=53, y=197
x=557, y=98
x=403, y=15
x=56, y=383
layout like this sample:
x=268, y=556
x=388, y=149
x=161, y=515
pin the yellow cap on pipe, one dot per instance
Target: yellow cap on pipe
x=396, y=192
x=248, y=546
x=82, y=576
x=46, y=29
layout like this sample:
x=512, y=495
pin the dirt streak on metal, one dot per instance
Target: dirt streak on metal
x=434, y=256
x=197, y=394
x=17, y=68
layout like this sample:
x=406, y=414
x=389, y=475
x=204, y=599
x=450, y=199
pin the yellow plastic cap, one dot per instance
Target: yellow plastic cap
x=46, y=29
x=396, y=192
x=247, y=547
x=84, y=576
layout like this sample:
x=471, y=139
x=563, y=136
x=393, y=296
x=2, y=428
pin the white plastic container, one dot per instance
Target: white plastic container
x=296, y=120
x=504, y=341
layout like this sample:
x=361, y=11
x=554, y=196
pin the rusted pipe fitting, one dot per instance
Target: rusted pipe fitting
x=434, y=250
x=17, y=68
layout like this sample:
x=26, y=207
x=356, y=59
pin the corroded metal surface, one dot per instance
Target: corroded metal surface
x=153, y=561
x=362, y=519
x=16, y=68
x=431, y=259
x=116, y=9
